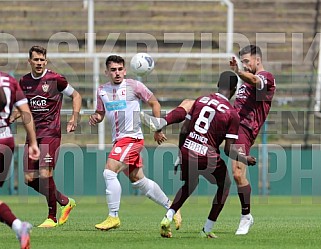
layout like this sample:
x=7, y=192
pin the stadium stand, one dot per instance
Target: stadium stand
x=287, y=26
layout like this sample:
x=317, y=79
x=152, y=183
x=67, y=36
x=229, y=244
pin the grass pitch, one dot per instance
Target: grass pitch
x=279, y=222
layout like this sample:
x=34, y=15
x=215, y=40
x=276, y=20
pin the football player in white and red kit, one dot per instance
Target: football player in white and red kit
x=119, y=100
x=10, y=96
x=253, y=102
x=211, y=120
x=44, y=90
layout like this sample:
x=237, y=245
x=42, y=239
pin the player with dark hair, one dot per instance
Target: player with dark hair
x=211, y=120
x=253, y=103
x=45, y=89
x=11, y=95
x=119, y=100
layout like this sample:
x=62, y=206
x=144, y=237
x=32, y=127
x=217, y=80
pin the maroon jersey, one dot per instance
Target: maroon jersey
x=213, y=119
x=14, y=96
x=45, y=99
x=253, y=104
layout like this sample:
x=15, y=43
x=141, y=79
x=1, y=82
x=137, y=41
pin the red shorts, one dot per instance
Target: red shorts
x=6, y=153
x=49, y=151
x=127, y=150
x=245, y=141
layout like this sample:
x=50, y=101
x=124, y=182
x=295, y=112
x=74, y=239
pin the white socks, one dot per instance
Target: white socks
x=16, y=225
x=151, y=189
x=148, y=187
x=208, y=226
x=113, y=192
x=170, y=214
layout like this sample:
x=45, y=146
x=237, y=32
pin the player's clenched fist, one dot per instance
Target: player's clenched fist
x=95, y=118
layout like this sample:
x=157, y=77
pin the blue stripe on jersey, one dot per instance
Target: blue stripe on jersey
x=116, y=105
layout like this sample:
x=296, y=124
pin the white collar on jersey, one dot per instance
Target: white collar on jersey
x=221, y=95
x=37, y=78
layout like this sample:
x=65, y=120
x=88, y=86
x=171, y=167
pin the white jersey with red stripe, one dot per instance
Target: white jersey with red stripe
x=121, y=103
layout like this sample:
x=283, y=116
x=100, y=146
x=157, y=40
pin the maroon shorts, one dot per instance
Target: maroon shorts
x=245, y=141
x=6, y=154
x=215, y=173
x=49, y=151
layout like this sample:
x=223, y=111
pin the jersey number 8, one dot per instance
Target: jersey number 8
x=204, y=120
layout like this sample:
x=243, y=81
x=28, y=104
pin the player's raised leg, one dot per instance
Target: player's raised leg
x=177, y=115
x=155, y=124
x=151, y=189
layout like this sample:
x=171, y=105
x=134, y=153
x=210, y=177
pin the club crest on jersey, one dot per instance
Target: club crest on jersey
x=242, y=89
x=45, y=87
x=241, y=92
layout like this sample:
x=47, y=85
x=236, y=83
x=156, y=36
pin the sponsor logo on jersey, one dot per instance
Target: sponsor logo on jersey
x=241, y=92
x=196, y=147
x=116, y=105
x=38, y=103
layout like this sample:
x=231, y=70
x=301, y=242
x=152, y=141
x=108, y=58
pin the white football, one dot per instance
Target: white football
x=142, y=64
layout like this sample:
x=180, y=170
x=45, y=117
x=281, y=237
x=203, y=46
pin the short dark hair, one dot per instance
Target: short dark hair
x=38, y=49
x=116, y=59
x=227, y=81
x=252, y=50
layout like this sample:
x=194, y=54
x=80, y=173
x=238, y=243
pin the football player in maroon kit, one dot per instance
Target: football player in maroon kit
x=11, y=95
x=253, y=103
x=211, y=120
x=44, y=90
